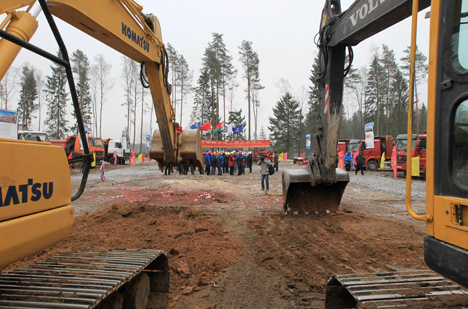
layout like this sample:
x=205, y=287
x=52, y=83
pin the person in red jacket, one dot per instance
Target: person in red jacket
x=232, y=162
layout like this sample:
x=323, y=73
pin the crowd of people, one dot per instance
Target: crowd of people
x=227, y=162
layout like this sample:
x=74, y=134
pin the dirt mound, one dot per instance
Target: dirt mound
x=198, y=247
x=313, y=248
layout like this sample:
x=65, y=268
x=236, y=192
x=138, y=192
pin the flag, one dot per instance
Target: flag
x=393, y=162
x=195, y=126
x=206, y=126
x=415, y=166
x=228, y=129
x=280, y=157
x=237, y=130
x=382, y=160
x=285, y=156
x=187, y=127
x=218, y=127
x=303, y=155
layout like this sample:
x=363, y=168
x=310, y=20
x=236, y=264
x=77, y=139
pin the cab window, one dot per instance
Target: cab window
x=459, y=42
x=460, y=146
x=96, y=142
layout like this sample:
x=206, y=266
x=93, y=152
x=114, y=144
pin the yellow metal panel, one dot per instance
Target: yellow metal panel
x=445, y=227
x=10, y=5
x=431, y=99
x=34, y=176
x=22, y=25
x=24, y=236
x=164, y=112
x=109, y=22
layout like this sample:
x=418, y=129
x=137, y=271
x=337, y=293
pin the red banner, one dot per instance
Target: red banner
x=236, y=144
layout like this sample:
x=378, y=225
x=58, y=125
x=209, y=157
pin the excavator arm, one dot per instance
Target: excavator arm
x=35, y=210
x=445, y=246
x=320, y=186
x=123, y=26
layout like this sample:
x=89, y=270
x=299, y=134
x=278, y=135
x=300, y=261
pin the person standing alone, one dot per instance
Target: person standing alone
x=264, y=164
x=360, y=163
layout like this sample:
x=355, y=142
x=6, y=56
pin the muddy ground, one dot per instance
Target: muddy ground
x=230, y=245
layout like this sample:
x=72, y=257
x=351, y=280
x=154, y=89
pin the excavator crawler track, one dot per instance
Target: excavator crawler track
x=388, y=290
x=90, y=279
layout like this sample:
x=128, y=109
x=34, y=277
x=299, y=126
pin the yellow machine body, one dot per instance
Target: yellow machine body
x=35, y=195
x=35, y=209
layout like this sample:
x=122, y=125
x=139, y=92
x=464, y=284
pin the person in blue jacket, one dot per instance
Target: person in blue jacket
x=207, y=159
x=240, y=161
x=348, y=159
x=220, y=163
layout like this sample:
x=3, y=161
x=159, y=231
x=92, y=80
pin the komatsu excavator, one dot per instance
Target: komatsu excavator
x=35, y=195
x=320, y=186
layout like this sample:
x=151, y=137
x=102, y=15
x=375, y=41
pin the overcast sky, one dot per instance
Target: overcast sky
x=282, y=33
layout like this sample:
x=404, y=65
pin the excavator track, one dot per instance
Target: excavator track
x=90, y=278
x=390, y=289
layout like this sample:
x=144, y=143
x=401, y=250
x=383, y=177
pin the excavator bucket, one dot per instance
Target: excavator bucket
x=303, y=193
x=189, y=149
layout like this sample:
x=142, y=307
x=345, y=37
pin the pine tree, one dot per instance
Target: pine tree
x=389, y=67
x=284, y=126
x=56, y=98
x=81, y=68
x=28, y=95
x=399, y=109
x=202, y=108
x=373, y=105
x=250, y=64
x=313, y=103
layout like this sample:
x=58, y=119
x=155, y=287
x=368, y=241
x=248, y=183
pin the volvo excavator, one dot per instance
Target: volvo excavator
x=320, y=186
x=35, y=195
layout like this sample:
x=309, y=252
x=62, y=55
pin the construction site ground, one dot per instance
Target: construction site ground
x=230, y=245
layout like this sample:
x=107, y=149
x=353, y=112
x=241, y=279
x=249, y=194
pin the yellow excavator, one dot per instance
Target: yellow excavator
x=35, y=195
x=319, y=187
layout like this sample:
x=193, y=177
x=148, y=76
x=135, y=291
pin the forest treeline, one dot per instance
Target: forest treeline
x=375, y=93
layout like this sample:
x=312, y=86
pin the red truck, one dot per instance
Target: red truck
x=73, y=145
x=373, y=156
x=418, y=147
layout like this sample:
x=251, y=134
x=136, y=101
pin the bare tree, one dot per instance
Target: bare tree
x=128, y=74
x=9, y=86
x=40, y=84
x=101, y=71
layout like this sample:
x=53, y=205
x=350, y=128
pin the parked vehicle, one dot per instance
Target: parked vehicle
x=373, y=156
x=72, y=145
x=111, y=147
x=33, y=136
x=418, y=147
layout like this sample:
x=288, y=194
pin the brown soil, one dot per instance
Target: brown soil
x=230, y=245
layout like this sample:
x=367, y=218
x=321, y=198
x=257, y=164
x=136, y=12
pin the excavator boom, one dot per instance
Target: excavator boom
x=319, y=187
